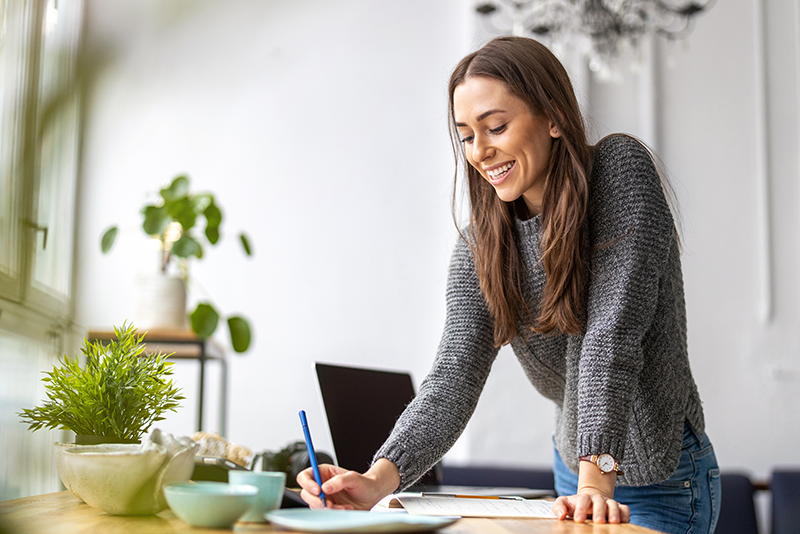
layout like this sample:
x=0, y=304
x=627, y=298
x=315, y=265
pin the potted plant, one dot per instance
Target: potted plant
x=114, y=398
x=110, y=402
x=173, y=219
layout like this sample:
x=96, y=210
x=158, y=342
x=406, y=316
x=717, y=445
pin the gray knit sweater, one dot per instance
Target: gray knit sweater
x=625, y=386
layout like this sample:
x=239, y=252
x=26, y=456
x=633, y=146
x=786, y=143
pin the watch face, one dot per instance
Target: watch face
x=606, y=463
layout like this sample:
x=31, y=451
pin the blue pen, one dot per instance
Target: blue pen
x=312, y=456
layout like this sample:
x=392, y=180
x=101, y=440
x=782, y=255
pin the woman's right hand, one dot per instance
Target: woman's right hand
x=349, y=490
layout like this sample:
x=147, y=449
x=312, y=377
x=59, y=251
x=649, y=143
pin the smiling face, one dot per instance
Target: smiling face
x=505, y=143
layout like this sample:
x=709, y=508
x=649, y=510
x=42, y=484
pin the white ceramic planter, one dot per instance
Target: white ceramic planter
x=159, y=302
x=124, y=479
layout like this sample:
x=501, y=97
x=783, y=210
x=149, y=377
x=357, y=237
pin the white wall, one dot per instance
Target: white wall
x=741, y=250
x=321, y=127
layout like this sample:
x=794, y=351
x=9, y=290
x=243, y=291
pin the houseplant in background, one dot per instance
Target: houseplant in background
x=173, y=220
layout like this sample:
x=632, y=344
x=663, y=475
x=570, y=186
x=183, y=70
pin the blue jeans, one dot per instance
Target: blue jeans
x=685, y=503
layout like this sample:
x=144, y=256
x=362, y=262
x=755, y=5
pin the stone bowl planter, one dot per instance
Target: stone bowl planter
x=126, y=479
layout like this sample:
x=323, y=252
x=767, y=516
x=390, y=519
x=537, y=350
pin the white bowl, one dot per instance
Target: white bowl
x=122, y=479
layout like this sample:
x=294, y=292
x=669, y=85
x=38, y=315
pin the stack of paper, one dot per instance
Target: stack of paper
x=440, y=505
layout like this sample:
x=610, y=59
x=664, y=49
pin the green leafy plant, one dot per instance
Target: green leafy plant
x=119, y=393
x=173, y=219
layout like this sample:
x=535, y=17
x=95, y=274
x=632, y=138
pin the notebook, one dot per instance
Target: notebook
x=362, y=405
x=445, y=505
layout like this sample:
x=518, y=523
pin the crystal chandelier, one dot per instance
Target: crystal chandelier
x=609, y=26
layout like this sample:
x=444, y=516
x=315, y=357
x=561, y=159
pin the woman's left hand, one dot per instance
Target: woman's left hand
x=591, y=503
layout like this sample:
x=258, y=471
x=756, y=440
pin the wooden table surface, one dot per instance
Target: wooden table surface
x=62, y=513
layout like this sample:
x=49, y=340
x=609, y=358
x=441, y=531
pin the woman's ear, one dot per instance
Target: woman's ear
x=554, y=133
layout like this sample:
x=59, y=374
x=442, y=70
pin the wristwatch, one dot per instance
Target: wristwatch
x=605, y=462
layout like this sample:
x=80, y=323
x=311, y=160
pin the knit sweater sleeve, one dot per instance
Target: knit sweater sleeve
x=447, y=397
x=631, y=232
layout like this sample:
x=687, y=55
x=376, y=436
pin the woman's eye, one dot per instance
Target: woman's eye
x=497, y=130
x=468, y=139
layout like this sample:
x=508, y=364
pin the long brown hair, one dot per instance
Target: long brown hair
x=533, y=74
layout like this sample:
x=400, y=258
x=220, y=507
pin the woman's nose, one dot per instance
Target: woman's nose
x=480, y=149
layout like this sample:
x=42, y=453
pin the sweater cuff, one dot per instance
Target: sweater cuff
x=599, y=444
x=400, y=458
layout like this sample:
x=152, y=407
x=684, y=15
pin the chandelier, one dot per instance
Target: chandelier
x=609, y=26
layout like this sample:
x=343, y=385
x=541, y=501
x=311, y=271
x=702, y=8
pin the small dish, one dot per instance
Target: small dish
x=210, y=504
x=308, y=520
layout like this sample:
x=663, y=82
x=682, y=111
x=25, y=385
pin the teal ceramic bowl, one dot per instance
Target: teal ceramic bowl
x=210, y=504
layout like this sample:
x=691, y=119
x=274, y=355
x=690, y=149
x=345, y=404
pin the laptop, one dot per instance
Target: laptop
x=362, y=405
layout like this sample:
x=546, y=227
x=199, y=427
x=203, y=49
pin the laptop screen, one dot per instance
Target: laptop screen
x=362, y=406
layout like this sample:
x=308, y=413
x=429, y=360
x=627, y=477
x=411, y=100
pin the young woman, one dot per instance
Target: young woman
x=572, y=257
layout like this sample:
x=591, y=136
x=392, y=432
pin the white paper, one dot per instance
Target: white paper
x=451, y=506
x=390, y=502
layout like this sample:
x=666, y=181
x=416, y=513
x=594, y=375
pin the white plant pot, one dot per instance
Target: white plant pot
x=124, y=479
x=159, y=302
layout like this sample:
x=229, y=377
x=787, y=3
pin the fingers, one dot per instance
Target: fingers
x=305, y=479
x=599, y=509
x=585, y=506
x=624, y=513
x=562, y=508
x=343, y=481
x=312, y=500
x=346, y=490
x=308, y=484
x=614, y=512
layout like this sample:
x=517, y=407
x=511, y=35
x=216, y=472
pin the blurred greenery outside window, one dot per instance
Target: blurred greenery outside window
x=39, y=133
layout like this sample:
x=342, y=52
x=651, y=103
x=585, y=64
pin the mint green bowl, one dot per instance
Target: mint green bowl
x=210, y=504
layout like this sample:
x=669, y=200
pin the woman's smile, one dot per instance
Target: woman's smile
x=498, y=174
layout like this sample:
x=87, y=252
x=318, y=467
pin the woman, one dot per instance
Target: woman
x=572, y=257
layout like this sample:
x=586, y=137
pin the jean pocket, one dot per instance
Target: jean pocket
x=674, y=501
x=698, y=456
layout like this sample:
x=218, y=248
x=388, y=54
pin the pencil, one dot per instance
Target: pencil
x=312, y=457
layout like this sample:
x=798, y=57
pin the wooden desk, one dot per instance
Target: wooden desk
x=184, y=345
x=62, y=513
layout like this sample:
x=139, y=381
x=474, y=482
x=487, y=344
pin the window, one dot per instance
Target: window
x=38, y=169
x=27, y=465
